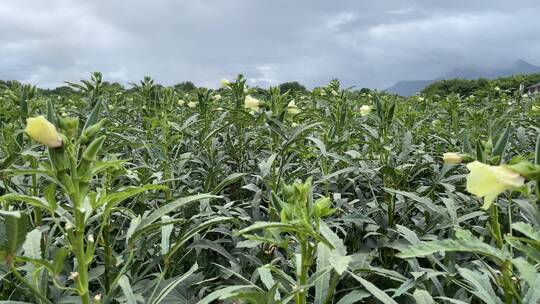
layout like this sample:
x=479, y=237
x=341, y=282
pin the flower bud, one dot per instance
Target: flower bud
x=91, y=131
x=452, y=158
x=70, y=125
x=93, y=148
x=42, y=131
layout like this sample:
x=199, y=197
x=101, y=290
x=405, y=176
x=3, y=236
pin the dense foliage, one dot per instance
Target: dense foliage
x=242, y=195
x=480, y=87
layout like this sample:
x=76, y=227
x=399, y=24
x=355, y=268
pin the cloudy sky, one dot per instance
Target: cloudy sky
x=363, y=43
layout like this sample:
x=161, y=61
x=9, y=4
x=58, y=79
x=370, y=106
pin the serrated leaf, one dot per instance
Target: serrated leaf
x=354, y=297
x=480, y=286
x=474, y=245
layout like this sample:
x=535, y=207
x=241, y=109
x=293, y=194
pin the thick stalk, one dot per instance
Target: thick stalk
x=79, y=248
x=506, y=268
x=304, y=265
x=35, y=190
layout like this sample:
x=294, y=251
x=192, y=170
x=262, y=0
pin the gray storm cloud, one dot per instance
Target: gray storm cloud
x=362, y=43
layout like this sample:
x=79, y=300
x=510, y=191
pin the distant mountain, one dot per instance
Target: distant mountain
x=410, y=87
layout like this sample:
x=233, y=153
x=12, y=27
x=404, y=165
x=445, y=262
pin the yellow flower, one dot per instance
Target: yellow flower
x=452, y=158
x=334, y=93
x=535, y=108
x=365, y=110
x=294, y=125
x=41, y=130
x=181, y=102
x=292, y=108
x=490, y=181
x=216, y=97
x=251, y=103
x=192, y=104
x=224, y=82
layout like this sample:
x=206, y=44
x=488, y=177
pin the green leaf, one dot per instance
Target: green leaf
x=126, y=289
x=527, y=230
x=170, y=287
x=422, y=297
x=166, y=231
x=112, y=199
x=266, y=277
x=354, y=297
x=338, y=257
x=32, y=244
x=192, y=232
x=480, y=286
x=15, y=228
x=339, y=262
x=319, y=143
x=295, y=136
x=526, y=270
x=502, y=142
x=285, y=227
x=473, y=245
x=323, y=261
x=425, y=201
x=169, y=207
x=93, y=117
x=376, y=292
x=231, y=179
x=533, y=294
x=224, y=293
x=265, y=166
x=31, y=200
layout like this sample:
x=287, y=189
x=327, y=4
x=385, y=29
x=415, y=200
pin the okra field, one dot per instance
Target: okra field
x=170, y=194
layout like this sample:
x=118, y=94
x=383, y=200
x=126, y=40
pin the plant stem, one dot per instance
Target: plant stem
x=301, y=297
x=506, y=268
x=32, y=288
x=80, y=255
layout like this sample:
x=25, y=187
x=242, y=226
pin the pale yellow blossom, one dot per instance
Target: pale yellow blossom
x=43, y=131
x=489, y=181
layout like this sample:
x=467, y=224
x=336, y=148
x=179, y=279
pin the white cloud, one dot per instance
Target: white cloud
x=334, y=23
